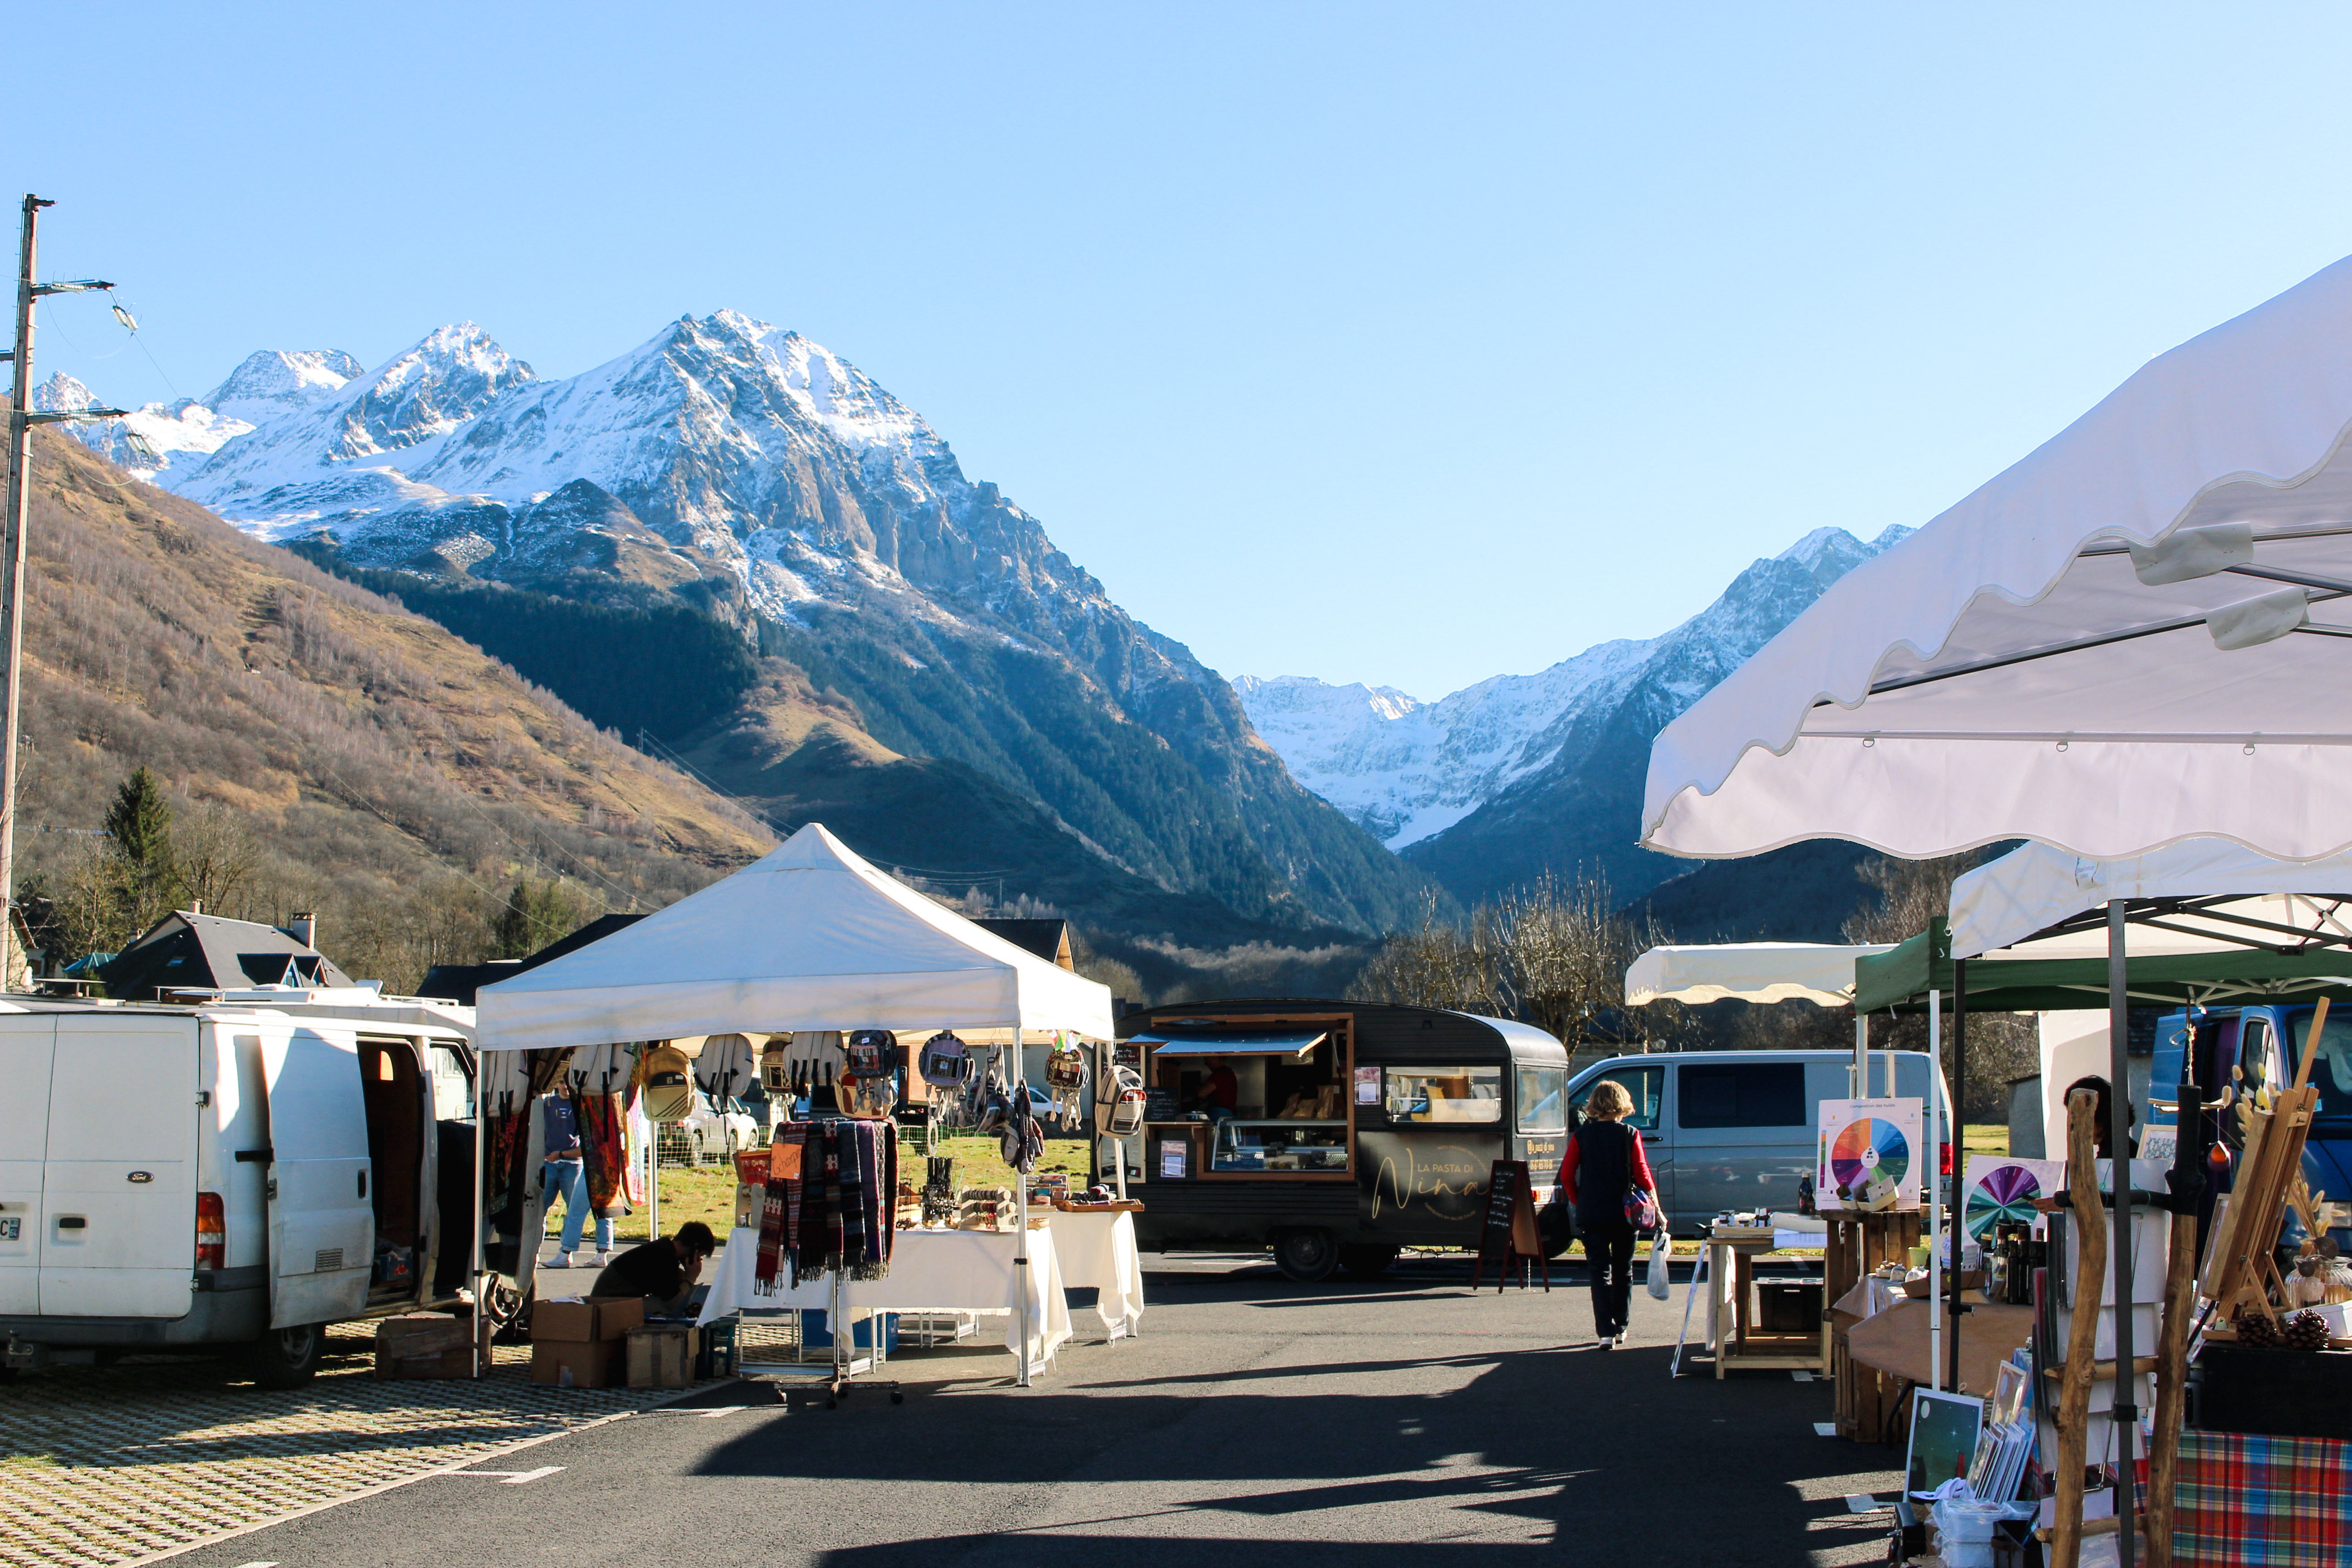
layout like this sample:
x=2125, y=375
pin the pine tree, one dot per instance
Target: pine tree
x=140, y=823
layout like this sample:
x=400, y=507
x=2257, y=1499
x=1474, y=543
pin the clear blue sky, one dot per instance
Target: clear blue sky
x=1408, y=345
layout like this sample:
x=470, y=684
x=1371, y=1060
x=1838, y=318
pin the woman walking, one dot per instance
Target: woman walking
x=1604, y=1167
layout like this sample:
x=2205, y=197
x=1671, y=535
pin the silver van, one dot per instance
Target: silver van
x=1736, y=1130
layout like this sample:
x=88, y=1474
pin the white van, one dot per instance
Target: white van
x=1737, y=1129
x=240, y=1173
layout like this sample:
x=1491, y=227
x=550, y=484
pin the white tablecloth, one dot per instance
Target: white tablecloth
x=1097, y=1251
x=931, y=1271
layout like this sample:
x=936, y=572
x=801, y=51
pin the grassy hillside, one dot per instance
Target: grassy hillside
x=377, y=767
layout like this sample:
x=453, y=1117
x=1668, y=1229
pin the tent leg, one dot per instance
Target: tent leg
x=1861, y=1054
x=1934, y=1191
x=1021, y=1235
x=481, y=1214
x=2125, y=1418
x=1960, y=1153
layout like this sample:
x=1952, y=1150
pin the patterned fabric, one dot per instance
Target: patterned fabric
x=837, y=1212
x=2248, y=1501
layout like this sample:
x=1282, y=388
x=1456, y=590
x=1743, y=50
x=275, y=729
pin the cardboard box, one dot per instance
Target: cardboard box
x=661, y=1357
x=458, y=1363
x=425, y=1345
x=577, y=1363
x=582, y=1321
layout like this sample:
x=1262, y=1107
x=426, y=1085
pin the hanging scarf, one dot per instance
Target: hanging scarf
x=771, y=1229
x=856, y=1172
x=604, y=1145
x=501, y=1192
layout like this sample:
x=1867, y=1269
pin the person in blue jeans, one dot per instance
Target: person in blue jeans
x=567, y=1173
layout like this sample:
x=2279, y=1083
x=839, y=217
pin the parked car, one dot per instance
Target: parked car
x=715, y=1134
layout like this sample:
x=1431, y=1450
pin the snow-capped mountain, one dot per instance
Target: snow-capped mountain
x=165, y=442
x=763, y=478
x=1494, y=782
x=1407, y=769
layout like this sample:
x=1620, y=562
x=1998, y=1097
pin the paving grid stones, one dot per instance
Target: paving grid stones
x=101, y=1467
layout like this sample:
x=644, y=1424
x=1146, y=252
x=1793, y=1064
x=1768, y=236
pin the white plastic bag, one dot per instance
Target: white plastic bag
x=1661, y=1250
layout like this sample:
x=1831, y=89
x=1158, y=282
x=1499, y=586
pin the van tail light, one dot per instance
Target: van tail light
x=212, y=1230
x=1943, y=1159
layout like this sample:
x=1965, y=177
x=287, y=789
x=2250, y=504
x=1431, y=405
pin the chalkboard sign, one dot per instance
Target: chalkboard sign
x=1508, y=1233
x=1159, y=1105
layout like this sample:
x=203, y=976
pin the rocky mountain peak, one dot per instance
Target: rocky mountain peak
x=272, y=382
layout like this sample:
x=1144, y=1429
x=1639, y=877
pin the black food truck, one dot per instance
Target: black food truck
x=1335, y=1132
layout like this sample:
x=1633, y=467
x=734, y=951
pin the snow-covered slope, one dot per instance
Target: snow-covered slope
x=165, y=442
x=1408, y=771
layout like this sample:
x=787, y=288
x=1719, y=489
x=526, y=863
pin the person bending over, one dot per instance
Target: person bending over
x=1603, y=1165
x=662, y=1271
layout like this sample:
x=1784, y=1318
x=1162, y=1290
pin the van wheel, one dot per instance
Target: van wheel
x=286, y=1358
x=1305, y=1256
x=1365, y=1260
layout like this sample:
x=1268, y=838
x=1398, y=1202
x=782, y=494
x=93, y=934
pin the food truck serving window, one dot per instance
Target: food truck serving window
x=1285, y=1044
x=1445, y=1094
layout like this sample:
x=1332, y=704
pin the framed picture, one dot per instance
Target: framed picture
x=1944, y=1432
x=1175, y=1158
x=1368, y=1085
x=2007, y=1395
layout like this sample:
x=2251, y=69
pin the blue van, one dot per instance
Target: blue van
x=2264, y=1044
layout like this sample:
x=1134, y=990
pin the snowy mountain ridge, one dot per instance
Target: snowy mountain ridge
x=1408, y=770
x=761, y=479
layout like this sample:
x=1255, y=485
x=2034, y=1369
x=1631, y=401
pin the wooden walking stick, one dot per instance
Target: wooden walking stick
x=2089, y=1280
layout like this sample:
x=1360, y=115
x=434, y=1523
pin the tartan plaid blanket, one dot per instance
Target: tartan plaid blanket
x=2248, y=1501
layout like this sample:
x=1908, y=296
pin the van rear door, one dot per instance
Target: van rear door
x=322, y=1224
x=25, y=1043
x=118, y=1199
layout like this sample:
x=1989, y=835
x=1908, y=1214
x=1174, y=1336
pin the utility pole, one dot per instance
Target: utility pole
x=21, y=420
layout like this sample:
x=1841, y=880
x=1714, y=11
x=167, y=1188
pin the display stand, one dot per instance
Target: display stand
x=1857, y=1246
x=1508, y=1232
x=842, y=1362
x=1730, y=1310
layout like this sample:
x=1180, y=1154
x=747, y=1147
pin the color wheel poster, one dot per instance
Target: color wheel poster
x=1870, y=1155
x=2000, y=1188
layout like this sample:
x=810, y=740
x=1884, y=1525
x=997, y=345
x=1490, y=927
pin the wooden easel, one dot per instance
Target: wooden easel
x=2243, y=1268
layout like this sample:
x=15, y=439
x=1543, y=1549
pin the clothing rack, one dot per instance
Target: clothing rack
x=842, y=1363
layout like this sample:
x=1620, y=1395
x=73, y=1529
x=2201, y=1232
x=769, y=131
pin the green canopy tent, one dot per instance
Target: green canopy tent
x=1901, y=979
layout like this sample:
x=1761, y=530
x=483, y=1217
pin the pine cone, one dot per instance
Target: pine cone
x=2307, y=1331
x=2257, y=1331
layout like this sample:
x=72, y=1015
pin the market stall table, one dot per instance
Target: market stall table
x=931, y=1271
x=1096, y=1251
x=1730, y=1307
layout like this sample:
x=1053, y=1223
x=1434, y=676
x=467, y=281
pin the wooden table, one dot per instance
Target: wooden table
x=1731, y=1333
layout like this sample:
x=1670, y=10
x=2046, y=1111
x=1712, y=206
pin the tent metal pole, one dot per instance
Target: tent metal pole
x=1861, y=1054
x=481, y=1214
x=1935, y=1190
x=2125, y=1417
x=1960, y=1153
x=1021, y=1216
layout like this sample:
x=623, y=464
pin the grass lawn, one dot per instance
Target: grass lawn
x=1985, y=1137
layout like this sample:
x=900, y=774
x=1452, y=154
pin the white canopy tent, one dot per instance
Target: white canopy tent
x=808, y=937
x=1760, y=972
x=2126, y=640
x=2033, y=888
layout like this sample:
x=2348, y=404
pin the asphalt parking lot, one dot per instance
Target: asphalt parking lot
x=1406, y=1420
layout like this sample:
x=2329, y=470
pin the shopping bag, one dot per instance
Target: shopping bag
x=1661, y=1250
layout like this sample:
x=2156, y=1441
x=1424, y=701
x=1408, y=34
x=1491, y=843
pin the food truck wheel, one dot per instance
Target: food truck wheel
x=285, y=1358
x=1366, y=1260
x=1305, y=1256
x=1555, y=1229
